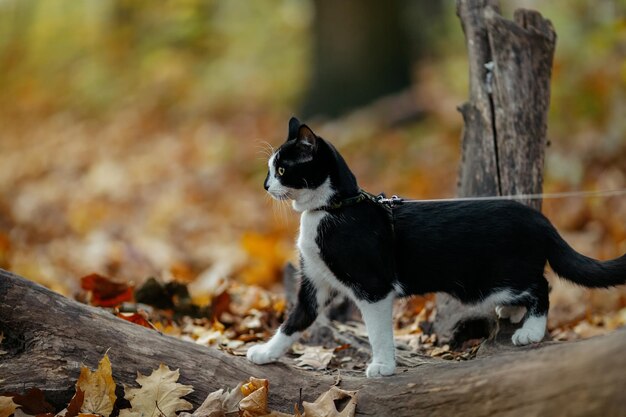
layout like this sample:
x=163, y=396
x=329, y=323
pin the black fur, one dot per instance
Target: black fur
x=468, y=249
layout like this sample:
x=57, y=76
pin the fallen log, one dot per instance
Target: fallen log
x=48, y=337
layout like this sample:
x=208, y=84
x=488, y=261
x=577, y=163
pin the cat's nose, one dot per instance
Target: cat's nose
x=266, y=185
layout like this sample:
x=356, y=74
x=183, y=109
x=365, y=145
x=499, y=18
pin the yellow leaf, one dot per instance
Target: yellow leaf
x=7, y=406
x=159, y=395
x=324, y=406
x=99, y=388
x=253, y=385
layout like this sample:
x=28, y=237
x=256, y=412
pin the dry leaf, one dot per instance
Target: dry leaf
x=98, y=388
x=136, y=318
x=127, y=412
x=277, y=414
x=253, y=384
x=315, y=357
x=106, y=292
x=7, y=406
x=232, y=399
x=325, y=406
x=73, y=408
x=254, y=404
x=211, y=407
x=159, y=395
x=32, y=402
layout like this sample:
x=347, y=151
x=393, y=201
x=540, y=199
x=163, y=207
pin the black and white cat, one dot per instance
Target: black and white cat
x=478, y=251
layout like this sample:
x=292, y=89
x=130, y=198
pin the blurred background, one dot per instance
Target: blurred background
x=134, y=134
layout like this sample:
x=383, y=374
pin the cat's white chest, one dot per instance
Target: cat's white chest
x=307, y=239
x=313, y=265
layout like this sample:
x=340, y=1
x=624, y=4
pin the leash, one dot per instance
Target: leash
x=394, y=199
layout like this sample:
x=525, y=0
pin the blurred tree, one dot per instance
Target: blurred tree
x=363, y=50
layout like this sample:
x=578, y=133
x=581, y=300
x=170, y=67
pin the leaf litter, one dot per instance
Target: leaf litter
x=161, y=395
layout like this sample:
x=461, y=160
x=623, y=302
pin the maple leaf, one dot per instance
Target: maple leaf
x=7, y=406
x=98, y=388
x=159, y=395
x=325, y=406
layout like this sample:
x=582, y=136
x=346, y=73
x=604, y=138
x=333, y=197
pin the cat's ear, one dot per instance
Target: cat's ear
x=294, y=125
x=306, y=137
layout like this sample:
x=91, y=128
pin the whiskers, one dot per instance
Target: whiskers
x=281, y=208
x=264, y=149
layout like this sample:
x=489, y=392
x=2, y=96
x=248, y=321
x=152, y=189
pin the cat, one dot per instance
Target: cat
x=349, y=243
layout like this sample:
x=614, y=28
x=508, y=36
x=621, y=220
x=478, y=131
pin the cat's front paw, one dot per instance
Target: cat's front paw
x=378, y=369
x=261, y=354
x=526, y=336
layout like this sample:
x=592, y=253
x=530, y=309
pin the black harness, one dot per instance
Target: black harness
x=363, y=195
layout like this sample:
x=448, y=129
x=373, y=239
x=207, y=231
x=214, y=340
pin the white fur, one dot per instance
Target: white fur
x=514, y=313
x=312, y=198
x=493, y=299
x=378, y=321
x=532, y=331
x=272, y=350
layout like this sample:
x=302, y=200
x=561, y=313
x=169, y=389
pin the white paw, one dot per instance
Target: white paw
x=514, y=313
x=261, y=354
x=378, y=369
x=532, y=331
x=525, y=336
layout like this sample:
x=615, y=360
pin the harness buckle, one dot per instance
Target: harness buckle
x=392, y=201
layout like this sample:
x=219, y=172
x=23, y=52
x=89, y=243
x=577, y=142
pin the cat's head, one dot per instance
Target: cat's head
x=308, y=170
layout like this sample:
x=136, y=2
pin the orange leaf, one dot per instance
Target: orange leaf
x=73, y=409
x=136, y=318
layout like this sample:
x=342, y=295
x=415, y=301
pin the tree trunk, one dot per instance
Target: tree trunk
x=48, y=337
x=360, y=53
x=505, y=120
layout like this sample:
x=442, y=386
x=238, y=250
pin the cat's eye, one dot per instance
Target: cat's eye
x=281, y=171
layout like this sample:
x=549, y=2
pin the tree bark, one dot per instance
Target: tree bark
x=48, y=337
x=504, y=138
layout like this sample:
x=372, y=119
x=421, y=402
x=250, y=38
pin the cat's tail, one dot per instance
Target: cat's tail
x=582, y=270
